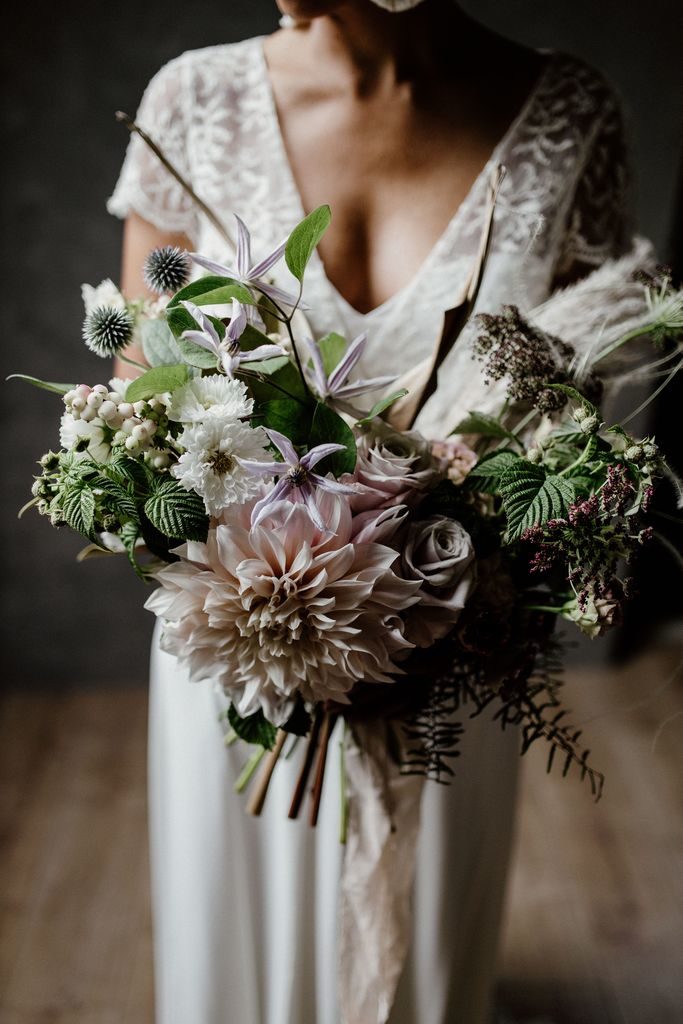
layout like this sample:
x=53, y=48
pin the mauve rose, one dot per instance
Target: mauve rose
x=392, y=469
x=438, y=551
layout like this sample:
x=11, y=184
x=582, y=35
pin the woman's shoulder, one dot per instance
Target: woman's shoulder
x=578, y=85
x=201, y=73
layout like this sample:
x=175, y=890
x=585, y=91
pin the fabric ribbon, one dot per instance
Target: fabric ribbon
x=375, y=914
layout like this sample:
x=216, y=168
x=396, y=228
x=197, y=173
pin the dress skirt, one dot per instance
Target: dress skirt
x=245, y=910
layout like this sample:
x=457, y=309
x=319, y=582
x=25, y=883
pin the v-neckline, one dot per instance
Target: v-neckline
x=297, y=204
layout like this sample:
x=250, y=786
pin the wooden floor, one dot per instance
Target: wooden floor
x=594, y=927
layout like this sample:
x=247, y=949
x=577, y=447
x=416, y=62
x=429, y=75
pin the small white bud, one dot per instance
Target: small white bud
x=126, y=409
x=101, y=389
x=160, y=460
x=590, y=424
x=634, y=453
x=83, y=390
x=88, y=413
x=78, y=404
x=95, y=399
x=108, y=410
x=580, y=413
x=650, y=451
x=140, y=433
x=139, y=408
x=132, y=445
x=534, y=455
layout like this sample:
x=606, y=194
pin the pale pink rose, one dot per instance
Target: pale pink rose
x=284, y=609
x=392, y=468
x=455, y=457
x=437, y=551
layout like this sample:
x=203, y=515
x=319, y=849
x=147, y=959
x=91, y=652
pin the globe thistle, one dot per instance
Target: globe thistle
x=167, y=269
x=107, y=330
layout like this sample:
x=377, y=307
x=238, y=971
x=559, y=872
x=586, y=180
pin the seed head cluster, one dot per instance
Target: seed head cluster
x=530, y=360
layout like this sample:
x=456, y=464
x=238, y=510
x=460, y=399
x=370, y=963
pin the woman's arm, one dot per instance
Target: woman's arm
x=139, y=238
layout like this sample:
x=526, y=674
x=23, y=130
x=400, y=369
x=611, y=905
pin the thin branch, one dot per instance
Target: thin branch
x=135, y=129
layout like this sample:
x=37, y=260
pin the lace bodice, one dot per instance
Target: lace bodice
x=561, y=203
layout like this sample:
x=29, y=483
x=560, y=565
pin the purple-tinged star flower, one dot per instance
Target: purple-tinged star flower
x=246, y=272
x=296, y=478
x=227, y=350
x=333, y=388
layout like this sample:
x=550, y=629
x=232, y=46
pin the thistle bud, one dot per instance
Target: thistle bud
x=167, y=269
x=107, y=330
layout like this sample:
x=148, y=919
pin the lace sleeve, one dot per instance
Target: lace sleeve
x=598, y=225
x=145, y=186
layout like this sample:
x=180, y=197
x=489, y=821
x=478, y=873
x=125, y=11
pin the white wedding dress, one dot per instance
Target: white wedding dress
x=245, y=910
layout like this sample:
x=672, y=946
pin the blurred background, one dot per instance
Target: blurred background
x=75, y=637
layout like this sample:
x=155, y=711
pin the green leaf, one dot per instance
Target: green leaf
x=129, y=473
x=212, y=291
x=332, y=348
x=251, y=338
x=158, y=344
x=531, y=497
x=156, y=381
x=288, y=416
x=120, y=499
x=304, y=238
x=329, y=428
x=128, y=536
x=484, y=425
x=46, y=385
x=284, y=376
x=253, y=729
x=384, y=403
x=78, y=508
x=175, y=512
x=571, y=392
x=492, y=466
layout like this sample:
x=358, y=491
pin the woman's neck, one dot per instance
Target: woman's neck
x=365, y=44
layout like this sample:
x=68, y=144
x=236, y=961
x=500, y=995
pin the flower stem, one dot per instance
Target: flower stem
x=132, y=362
x=256, y=802
x=250, y=767
x=302, y=781
x=344, y=816
x=637, y=332
x=325, y=733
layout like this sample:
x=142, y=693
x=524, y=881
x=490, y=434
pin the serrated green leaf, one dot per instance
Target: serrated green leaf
x=158, y=344
x=78, y=508
x=304, y=238
x=329, y=428
x=175, y=512
x=531, y=497
x=128, y=535
x=120, y=500
x=483, y=424
x=381, y=406
x=495, y=463
x=157, y=381
x=131, y=473
x=212, y=291
x=567, y=389
x=253, y=729
x=45, y=385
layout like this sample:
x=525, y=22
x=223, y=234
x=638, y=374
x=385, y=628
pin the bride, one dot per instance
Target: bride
x=394, y=113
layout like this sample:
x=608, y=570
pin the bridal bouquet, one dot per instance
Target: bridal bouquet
x=316, y=557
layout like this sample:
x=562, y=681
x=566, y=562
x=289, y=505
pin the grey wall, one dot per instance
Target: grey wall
x=67, y=68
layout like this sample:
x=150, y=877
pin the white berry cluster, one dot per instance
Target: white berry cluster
x=99, y=419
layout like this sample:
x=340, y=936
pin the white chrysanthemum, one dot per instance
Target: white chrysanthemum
x=105, y=294
x=85, y=437
x=216, y=395
x=209, y=464
x=284, y=609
